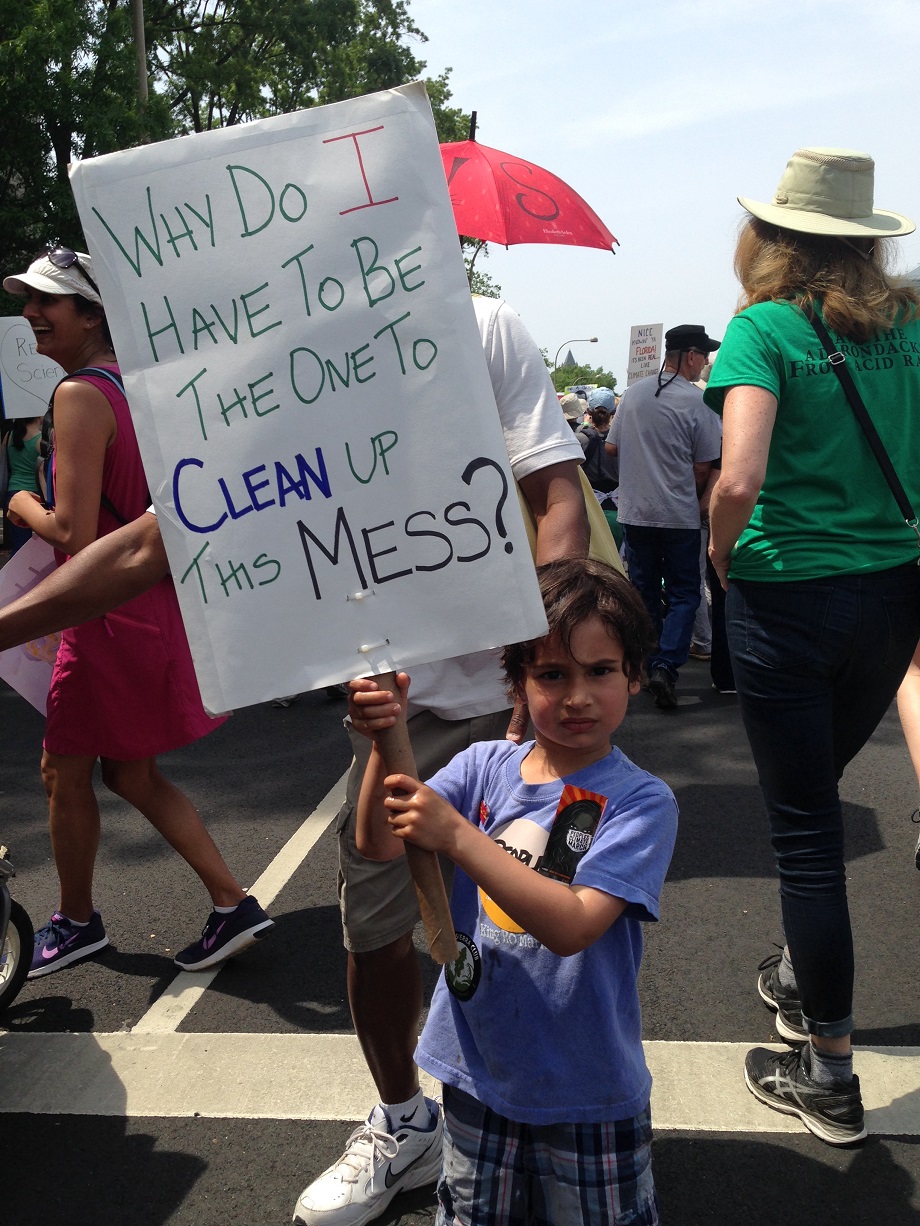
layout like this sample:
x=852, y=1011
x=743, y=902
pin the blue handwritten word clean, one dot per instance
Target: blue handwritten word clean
x=282, y=484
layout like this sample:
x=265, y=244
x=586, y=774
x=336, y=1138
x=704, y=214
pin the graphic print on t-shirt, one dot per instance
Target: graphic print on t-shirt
x=555, y=852
x=462, y=975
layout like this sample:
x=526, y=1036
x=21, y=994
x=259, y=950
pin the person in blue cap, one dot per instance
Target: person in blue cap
x=601, y=469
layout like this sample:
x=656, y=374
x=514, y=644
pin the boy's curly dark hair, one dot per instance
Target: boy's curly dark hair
x=574, y=591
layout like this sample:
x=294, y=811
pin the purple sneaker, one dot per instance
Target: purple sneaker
x=226, y=935
x=63, y=943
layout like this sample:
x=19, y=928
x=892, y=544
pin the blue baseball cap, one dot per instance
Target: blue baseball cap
x=602, y=398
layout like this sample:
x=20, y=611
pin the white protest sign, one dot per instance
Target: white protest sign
x=26, y=378
x=27, y=668
x=297, y=339
x=644, y=351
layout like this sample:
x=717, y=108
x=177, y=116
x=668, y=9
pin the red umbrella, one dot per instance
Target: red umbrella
x=504, y=199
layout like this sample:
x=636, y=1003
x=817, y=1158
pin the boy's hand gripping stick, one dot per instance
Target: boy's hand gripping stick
x=423, y=865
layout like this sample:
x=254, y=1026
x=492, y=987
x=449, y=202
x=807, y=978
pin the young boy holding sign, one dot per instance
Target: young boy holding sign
x=562, y=845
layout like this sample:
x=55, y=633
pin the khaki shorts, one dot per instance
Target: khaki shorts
x=377, y=899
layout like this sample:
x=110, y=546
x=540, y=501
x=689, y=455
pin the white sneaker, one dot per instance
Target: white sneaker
x=376, y=1164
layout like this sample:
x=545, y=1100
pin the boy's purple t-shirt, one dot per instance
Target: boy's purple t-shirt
x=539, y=1038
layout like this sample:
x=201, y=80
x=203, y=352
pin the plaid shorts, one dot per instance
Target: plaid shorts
x=499, y=1173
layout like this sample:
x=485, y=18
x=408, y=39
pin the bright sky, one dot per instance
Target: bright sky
x=660, y=115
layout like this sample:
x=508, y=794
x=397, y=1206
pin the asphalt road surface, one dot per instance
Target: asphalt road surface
x=132, y=1094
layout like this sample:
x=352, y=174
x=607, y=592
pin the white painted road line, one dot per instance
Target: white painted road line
x=168, y=1011
x=698, y=1086
x=153, y=1071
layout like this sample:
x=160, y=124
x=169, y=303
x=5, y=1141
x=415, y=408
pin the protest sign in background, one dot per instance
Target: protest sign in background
x=644, y=351
x=295, y=330
x=27, y=379
x=28, y=668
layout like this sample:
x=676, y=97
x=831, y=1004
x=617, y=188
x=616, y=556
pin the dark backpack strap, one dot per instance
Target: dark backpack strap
x=594, y=464
x=839, y=366
x=98, y=372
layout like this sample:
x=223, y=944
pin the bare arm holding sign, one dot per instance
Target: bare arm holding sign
x=102, y=576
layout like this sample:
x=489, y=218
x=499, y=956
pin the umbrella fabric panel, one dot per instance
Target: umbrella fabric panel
x=505, y=199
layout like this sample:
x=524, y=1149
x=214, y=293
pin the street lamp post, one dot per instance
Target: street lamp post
x=576, y=340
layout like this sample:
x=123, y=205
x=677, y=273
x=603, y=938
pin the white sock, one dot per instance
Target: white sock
x=226, y=910
x=414, y=1111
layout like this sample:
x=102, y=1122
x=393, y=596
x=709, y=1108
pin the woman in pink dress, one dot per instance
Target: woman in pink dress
x=123, y=688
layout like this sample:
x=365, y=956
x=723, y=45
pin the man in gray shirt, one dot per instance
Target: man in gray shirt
x=666, y=439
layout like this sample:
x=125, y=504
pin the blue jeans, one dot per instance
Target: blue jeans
x=817, y=665
x=668, y=556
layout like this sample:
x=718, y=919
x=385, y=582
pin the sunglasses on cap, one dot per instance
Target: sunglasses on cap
x=65, y=257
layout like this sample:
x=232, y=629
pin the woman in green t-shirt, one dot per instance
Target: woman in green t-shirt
x=823, y=603
x=22, y=455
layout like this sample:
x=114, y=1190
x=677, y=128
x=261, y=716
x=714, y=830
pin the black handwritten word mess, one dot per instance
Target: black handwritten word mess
x=377, y=542
x=181, y=228
x=193, y=486
x=425, y=540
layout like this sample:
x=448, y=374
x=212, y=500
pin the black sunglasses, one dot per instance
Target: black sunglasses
x=64, y=257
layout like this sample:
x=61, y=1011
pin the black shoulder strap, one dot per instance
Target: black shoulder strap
x=838, y=364
x=98, y=372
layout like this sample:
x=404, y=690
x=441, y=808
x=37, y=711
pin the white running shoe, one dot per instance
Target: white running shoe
x=379, y=1161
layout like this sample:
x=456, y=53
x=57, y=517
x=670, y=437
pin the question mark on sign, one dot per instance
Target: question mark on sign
x=467, y=477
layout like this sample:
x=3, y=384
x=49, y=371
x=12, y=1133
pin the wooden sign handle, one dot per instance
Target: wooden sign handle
x=423, y=865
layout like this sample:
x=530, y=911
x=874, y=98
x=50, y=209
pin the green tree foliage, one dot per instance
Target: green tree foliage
x=480, y=282
x=222, y=62
x=67, y=90
x=567, y=376
x=68, y=85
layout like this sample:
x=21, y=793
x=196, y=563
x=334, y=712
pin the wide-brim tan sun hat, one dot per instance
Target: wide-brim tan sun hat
x=831, y=192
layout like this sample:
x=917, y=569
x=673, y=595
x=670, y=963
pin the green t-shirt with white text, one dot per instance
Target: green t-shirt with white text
x=825, y=508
